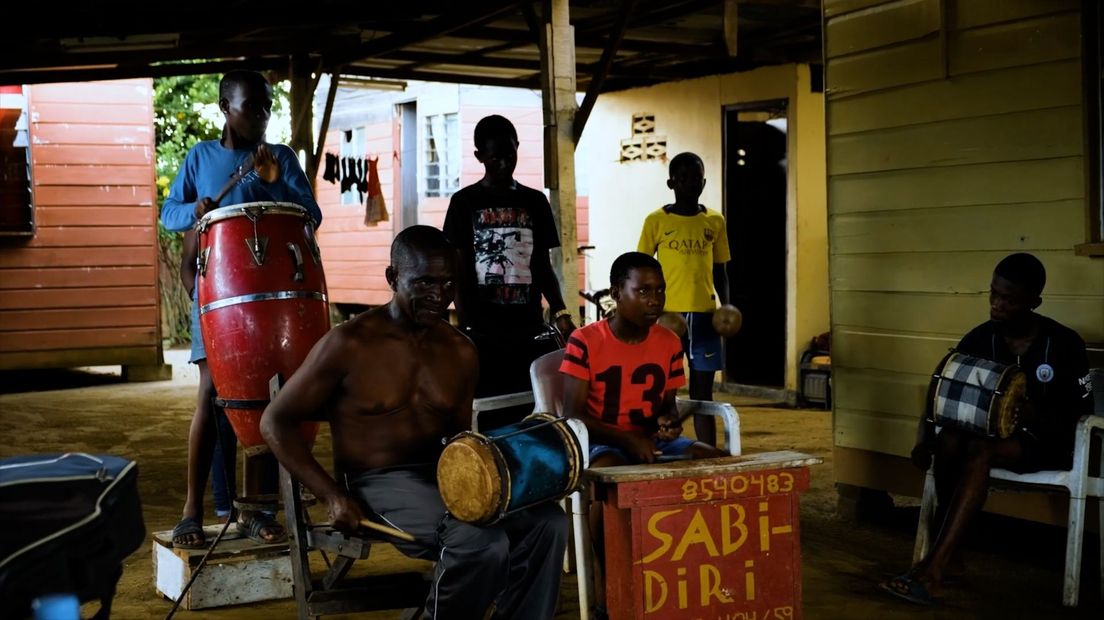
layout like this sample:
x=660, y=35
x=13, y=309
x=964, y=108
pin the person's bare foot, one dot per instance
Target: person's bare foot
x=932, y=582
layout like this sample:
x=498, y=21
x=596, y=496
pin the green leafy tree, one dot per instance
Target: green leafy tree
x=185, y=112
x=182, y=108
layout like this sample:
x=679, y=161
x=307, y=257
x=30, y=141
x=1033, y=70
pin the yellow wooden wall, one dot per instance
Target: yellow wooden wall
x=953, y=140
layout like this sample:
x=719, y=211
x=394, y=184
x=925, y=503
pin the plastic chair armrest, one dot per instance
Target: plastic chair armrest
x=491, y=403
x=726, y=412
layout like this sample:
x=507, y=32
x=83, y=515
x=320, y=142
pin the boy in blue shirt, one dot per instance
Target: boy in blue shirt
x=245, y=98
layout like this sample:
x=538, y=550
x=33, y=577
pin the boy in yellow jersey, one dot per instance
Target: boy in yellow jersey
x=691, y=243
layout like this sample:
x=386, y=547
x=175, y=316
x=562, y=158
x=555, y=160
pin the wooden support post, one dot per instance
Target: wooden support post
x=731, y=21
x=302, y=108
x=558, y=89
x=315, y=158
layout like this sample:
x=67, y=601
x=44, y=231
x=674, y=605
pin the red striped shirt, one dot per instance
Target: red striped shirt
x=627, y=381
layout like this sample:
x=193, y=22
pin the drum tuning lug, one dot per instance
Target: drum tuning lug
x=297, y=256
x=315, y=251
x=254, y=213
x=201, y=261
x=257, y=247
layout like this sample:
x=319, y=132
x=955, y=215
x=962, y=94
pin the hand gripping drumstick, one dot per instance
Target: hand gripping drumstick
x=390, y=531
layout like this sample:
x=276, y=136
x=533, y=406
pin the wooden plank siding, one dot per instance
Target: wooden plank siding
x=953, y=140
x=84, y=289
x=356, y=255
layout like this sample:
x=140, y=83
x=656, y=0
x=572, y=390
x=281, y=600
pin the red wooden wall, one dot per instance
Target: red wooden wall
x=355, y=255
x=83, y=290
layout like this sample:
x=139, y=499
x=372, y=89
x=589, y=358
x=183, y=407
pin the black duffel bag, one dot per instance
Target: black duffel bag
x=67, y=522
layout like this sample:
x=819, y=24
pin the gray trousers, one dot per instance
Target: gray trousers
x=513, y=565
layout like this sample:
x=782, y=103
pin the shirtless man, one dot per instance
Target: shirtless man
x=394, y=383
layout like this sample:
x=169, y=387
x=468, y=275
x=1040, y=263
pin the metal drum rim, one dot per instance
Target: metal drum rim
x=236, y=300
x=238, y=210
x=495, y=513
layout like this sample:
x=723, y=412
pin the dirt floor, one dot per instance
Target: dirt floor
x=1014, y=568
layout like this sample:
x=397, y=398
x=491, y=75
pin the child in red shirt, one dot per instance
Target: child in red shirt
x=621, y=374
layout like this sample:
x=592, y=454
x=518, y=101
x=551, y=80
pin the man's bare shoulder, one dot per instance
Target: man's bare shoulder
x=374, y=322
x=376, y=327
x=366, y=330
x=454, y=339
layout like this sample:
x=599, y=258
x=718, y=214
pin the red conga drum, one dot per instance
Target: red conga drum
x=262, y=304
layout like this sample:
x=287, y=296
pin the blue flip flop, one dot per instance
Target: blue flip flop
x=260, y=521
x=189, y=526
x=910, y=589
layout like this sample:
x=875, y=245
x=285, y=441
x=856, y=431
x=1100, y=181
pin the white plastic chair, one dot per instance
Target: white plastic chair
x=491, y=403
x=1079, y=481
x=548, y=397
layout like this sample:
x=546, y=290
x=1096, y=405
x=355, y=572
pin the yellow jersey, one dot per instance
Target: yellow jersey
x=687, y=247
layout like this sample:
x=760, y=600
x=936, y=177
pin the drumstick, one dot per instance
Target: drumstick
x=390, y=531
x=244, y=169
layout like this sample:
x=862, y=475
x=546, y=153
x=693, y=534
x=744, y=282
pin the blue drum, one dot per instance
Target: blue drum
x=485, y=476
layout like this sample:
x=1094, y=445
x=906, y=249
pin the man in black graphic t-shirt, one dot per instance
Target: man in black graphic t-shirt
x=504, y=232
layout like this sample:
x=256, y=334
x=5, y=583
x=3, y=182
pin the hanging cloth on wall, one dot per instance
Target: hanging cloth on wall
x=348, y=172
x=361, y=179
x=331, y=172
x=362, y=176
x=375, y=209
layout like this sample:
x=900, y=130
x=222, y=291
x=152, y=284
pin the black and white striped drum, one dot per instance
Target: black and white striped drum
x=977, y=395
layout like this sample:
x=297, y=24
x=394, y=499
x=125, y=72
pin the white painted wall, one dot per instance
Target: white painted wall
x=690, y=114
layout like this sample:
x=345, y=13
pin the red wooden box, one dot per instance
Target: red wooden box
x=716, y=539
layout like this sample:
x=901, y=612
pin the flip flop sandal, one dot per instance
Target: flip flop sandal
x=258, y=522
x=908, y=588
x=188, y=526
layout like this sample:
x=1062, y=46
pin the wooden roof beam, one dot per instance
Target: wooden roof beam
x=627, y=44
x=97, y=20
x=19, y=59
x=656, y=15
x=420, y=59
x=532, y=81
x=458, y=19
x=121, y=72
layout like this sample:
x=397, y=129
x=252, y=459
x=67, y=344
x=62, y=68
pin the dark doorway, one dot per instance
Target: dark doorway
x=755, y=210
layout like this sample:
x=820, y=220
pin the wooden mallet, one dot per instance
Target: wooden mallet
x=390, y=531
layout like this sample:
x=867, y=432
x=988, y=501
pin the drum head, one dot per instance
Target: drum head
x=1007, y=409
x=469, y=475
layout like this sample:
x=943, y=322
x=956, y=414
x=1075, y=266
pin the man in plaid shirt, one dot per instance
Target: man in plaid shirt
x=1054, y=359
